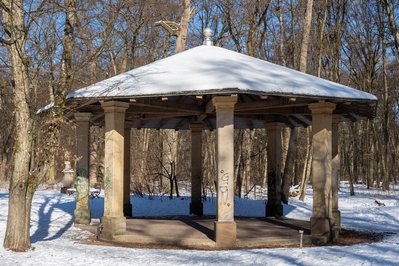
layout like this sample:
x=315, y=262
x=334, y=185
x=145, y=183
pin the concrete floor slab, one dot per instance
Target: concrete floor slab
x=198, y=233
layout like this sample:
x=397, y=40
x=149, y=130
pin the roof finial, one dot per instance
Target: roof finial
x=208, y=33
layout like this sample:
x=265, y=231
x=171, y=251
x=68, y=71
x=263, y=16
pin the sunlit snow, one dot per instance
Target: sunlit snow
x=55, y=238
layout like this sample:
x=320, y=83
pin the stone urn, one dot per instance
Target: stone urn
x=67, y=180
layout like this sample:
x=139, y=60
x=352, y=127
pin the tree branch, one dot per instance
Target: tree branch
x=5, y=42
x=172, y=27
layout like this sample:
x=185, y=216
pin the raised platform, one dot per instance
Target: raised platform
x=197, y=233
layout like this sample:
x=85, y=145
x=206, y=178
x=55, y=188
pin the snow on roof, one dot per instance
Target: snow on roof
x=210, y=69
x=45, y=108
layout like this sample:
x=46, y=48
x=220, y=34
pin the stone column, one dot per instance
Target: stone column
x=225, y=227
x=127, y=205
x=82, y=211
x=274, y=206
x=196, y=206
x=321, y=168
x=336, y=214
x=113, y=221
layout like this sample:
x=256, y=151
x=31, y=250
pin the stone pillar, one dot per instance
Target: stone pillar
x=274, y=206
x=321, y=168
x=225, y=227
x=82, y=211
x=113, y=221
x=127, y=205
x=196, y=206
x=336, y=214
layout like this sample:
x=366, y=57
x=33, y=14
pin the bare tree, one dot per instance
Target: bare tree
x=21, y=185
x=392, y=24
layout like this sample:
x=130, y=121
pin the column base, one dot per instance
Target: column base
x=336, y=214
x=197, y=208
x=112, y=226
x=82, y=216
x=320, y=226
x=274, y=210
x=127, y=210
x=225, y=234
x=336, y=217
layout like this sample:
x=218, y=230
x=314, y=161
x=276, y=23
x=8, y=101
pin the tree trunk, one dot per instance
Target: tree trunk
x=66, y=65
x=3, y=166
x=21, y=186
x=307, y=21
x=307, y=167
x=352, y=165
x=264, y=172
x=248, y=140
x=239, y=162
x=321, y=35
x=385, y=124
x=282, y=33
x=371, y=168
x=306, y=25
x=182, y=36
x=392, y=25
x=171, y=187
x=166, y=45
x=293, y=34
x=289, y=166
x=286, y=132
x=239, y=177
x=17, y=237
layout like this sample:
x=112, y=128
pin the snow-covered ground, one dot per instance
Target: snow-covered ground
x=54, y=236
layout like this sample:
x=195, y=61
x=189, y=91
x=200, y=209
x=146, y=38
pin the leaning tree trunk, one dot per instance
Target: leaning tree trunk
x=21, y=187
x=308, y=164
x=291, y=154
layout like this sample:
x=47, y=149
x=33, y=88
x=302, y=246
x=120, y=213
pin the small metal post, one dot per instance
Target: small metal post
x=300, y=238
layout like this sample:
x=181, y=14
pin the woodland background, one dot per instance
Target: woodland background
x=50, y=48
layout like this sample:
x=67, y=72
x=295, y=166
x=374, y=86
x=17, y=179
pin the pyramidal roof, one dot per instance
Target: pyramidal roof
x=214, y=70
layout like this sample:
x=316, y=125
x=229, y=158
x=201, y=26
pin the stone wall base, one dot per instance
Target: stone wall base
x=225, y=234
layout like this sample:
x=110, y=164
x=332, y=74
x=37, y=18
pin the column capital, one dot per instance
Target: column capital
x=274, y=125
x=196, y=126
x=114, y=106
x=82, y=117
x=224, y=102
x=322, y=107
